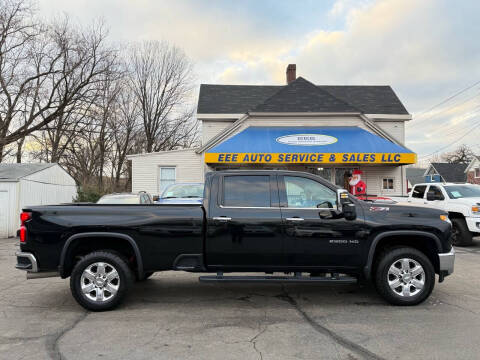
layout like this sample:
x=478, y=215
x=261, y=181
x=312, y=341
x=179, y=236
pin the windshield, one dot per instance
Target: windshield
x=119, y=199
x=462, y=191
x=183, y=191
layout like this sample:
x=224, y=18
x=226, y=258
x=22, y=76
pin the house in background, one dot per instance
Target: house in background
x=327, y=130
x=23, y=185
x=473, y=171
x=446, y=172
x=414, y=176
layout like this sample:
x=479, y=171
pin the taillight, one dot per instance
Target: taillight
x=24, y=216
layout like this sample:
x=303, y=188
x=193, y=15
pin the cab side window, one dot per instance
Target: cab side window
x=419, y=191
x=307, y=193
x=246, y=191
x=436, y=192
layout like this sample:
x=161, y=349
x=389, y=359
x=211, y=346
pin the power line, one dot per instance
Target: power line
x=449, y=126
x=453, y=142
x=449, y=98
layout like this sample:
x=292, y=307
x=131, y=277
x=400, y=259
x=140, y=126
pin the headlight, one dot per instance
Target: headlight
x=476, y=210
x=445, y=218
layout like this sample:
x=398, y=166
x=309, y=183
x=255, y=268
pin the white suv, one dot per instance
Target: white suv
x=462, y=201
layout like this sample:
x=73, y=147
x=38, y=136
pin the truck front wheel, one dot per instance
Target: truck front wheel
x=404, y=276
x=461, y=235
x=100, y=280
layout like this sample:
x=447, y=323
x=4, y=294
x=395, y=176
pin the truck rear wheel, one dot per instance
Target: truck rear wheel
x=461, y=235
x=100, y=281
x=404, y=276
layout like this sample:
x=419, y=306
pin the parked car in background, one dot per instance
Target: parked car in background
x=182, y=193
x=126, y=198
x=461, y=201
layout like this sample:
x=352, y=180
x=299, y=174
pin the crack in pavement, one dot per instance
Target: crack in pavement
x=52, y=341
x=253, y=340
x=358, y=349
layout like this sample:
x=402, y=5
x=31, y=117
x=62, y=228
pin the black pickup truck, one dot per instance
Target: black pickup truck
x=294, y=224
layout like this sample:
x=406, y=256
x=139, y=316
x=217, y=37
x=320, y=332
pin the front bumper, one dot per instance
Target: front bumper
x=26, y=261
x=447, y=261
x=473, y=224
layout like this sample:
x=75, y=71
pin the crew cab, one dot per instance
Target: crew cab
x=292, y=223
x=461, y=201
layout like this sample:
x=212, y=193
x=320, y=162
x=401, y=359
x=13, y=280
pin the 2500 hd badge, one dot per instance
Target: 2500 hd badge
x=344, y=241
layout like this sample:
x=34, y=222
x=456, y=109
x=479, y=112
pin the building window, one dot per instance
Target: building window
x=477, y=173
x=388, y=184
x=166, y=176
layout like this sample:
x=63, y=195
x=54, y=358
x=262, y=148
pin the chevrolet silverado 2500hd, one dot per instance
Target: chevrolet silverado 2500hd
x=250, y=222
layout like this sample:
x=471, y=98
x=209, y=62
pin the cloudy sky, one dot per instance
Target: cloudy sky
x=428, y=50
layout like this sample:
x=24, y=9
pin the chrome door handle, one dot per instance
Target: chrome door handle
x=295, y=219
x=222, y=218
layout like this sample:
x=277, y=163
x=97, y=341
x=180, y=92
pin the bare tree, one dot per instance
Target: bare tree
x=161, y=81
x=462, y=155
x=126, y=130
x=44, y=69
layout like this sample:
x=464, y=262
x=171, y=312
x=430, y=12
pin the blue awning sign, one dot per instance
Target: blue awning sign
x=295, y=145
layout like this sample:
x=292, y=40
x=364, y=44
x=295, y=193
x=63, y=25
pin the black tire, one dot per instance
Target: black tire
x=461, y=235
x=145, y=276
x=112, y=260
x=382, y=276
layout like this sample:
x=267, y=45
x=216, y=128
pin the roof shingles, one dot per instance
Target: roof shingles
x=299, y=96
x=18, y=171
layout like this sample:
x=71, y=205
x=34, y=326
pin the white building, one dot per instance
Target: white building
x=23, y=185
x=326, y=130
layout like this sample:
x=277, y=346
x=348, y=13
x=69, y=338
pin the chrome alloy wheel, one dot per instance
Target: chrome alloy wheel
x=100, y=282
x=406, y=277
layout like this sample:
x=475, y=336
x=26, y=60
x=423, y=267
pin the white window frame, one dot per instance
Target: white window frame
x=387, y=178
x=159, y=172
x=475, y=170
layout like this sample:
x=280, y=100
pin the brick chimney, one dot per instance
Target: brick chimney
x=291, y=73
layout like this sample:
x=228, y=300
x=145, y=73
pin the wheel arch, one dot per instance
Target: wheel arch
x=66, y=256
x=455, y=215
x=421, y=240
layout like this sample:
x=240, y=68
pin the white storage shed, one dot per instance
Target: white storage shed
x=23, y=185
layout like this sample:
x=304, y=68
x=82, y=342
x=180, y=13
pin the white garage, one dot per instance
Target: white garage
x=23, y=185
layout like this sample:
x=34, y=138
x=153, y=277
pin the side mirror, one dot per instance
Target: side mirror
x=155, y=197
x=345, y=205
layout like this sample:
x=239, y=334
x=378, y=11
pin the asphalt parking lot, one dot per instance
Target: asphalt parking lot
x=173, y=316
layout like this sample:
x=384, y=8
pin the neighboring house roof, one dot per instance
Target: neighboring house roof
x=450, y=172
x=15, y=172
x=240, y=99
x=476, y=159
x=415, y=175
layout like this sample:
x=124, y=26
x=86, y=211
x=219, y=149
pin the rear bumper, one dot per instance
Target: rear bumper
x=447, y=261
x=473, y=224
x=26, y=261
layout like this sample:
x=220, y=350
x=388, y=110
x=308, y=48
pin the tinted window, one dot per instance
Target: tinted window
x=307, y=193
x=436, y=192
x=419, y=191
x=246, y=190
